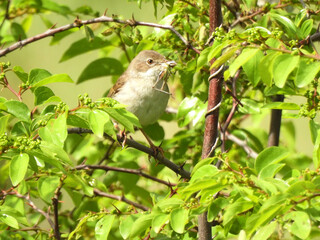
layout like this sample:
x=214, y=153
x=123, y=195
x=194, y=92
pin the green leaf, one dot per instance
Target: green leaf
x=53, y=79
x=283, y=65
x=287, y=24
x=265, y=232
x=235, y=208
x=89, y=33
x=56, y=130
x=100, y=68
x=201, y=163
x=37, y=74
x=299, y=188
x=216, y=48
x=204, y=171
x=55, y=153
x=141, y=225
x=260, y=218
x=306, y=28
x=44, y=95
x=282, y=106
x=18, y=109
x=158, y=221
x=9, y=220
x=55, y=7
x=18, y=168
x=21, y=74
x=270, y=170
x=225, y=57
x=244, y=57
x=126, y=224
x=103, y=227
x=154, y=131
x=307, y=71
x=77, y=121
x=178, y=219
x=124, y=117
x=301, y=226
x=47, y=187
x=251, y=68
x=17, y=31
x=314, y=130
x=4, y=123
x=83, y=46
x=269, y=156
x=316, y=150
x=250, y=106
x=97, y=119
x=265, y=67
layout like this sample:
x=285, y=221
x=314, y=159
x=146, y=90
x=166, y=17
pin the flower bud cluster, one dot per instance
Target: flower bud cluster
x=22, y=143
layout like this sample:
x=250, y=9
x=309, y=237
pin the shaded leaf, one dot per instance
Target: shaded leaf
x=178, y=219
x=269, y=156
x=53, y=79
x=283, y=65
x=18, y=109
x=244, y=57
x=18, y=168
x=101, y=67
x=103, y=227
x=83, y=46
x=47, y=186
x=307, y=71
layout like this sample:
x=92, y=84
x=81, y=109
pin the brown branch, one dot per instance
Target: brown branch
x=125, y=170
x=131, y=143
x=78, y=23
x=275, y=123
x=97, y=192
x=212, y=116
x=55, y=202
x=32, y=205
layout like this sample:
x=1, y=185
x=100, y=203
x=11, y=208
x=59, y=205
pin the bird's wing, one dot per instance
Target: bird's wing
x=117, y=86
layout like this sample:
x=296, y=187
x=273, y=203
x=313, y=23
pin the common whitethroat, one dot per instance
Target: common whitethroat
x=143, y=88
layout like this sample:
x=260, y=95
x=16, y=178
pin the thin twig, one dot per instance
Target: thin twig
x=33, y=206
x=131, y=143
x=78, y=23
x=125, y=170
x=97, y=192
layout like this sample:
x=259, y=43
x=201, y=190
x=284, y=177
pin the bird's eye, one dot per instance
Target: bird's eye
x=149, y=61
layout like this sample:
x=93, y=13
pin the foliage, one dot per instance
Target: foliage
x=51, y=154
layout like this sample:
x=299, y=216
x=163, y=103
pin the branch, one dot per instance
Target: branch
x=212, y=117
x=120, y=198
x=243, y=144
x=275, y=123
x=55, y=202
x=78, y=23
x=131, y=143
x=125, y=170
x=32, y=205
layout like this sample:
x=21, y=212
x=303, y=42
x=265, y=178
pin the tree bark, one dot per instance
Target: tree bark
x=275, y=123
x=211, y=125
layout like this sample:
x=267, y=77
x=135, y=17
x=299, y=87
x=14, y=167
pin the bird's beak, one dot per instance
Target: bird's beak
x=171, y=63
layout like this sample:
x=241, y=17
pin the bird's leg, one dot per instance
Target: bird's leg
x=156, y=149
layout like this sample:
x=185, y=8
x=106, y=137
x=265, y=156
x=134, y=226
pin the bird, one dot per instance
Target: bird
x=143, y=87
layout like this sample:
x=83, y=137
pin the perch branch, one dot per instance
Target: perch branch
x=131, y=143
